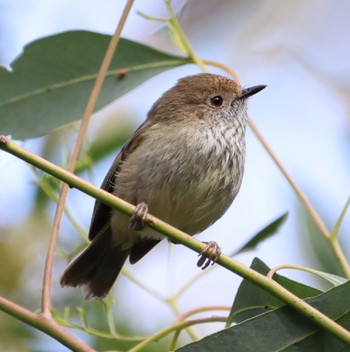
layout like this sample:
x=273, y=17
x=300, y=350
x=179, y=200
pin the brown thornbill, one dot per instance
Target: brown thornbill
x=184, y=165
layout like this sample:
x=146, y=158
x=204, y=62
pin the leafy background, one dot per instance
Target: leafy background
x=300, y=50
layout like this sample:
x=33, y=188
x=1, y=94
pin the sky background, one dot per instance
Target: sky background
x=299, y=49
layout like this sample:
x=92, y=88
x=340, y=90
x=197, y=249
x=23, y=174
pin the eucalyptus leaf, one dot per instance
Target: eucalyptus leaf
x=50, y=82
x=284, y=329
x=251, y=300
x=335, y=280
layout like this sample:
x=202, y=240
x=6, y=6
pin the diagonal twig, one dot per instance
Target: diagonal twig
x=46, y=294
x=44, y=324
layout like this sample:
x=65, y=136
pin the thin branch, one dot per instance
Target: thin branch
x=44, y=324
x=46, y=295
x=191, y=312
x=178, y=236
x=175, y=327
x=337, y=250
x=186, y=315
x=319, y=222
x=50, y=192
x=333, y=279
x=224, y=67
x=190, y=331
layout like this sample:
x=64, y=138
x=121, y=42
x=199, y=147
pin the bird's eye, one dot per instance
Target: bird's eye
x=217, y=101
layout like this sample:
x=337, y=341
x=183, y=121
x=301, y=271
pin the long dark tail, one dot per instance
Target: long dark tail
x=97, y=266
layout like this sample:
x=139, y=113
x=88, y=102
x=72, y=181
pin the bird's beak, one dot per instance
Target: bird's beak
x=247, y=92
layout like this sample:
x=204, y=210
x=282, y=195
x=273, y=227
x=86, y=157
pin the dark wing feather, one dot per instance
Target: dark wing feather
x=102, y=212
x=141, y=248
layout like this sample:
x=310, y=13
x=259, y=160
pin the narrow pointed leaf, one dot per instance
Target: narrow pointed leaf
x=335, y=231
x=263, y=234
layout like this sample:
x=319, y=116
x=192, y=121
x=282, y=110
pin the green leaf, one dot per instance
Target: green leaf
x=316, y=247
x=284, y=329
x=335, y=231
x=262, y=235
x=251, y=300
x=335, y=280
x=51, y=80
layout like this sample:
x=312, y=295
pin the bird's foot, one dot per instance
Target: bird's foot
x=209, y=255
x=138, y=219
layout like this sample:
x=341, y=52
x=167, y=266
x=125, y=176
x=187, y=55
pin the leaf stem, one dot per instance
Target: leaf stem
x=335, y=231
x=175, y=327
x=181, y=35
x=184, y=316
x=152, y=18
x=202, y=310
x=174, y=307
x=319, y=222
x=333, y=279
x=224, y=67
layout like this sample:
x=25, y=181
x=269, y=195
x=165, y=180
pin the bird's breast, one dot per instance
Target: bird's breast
x=188, y=180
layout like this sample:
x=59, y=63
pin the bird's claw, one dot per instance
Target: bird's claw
x=138, y=218
x=209, y=255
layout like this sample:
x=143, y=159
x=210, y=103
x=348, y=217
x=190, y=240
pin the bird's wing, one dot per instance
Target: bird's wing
x=102, y=212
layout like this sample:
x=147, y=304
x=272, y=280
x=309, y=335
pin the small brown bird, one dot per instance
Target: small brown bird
x=184, y=165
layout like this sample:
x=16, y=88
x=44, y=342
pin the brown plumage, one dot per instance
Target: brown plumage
x=185, y=161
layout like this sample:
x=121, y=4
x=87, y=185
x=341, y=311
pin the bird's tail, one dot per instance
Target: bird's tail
x=96, y=267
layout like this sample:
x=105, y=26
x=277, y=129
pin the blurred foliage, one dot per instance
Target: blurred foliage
x=15, y=336
x=10, y=275
x=316, y=246
x=106, y=141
